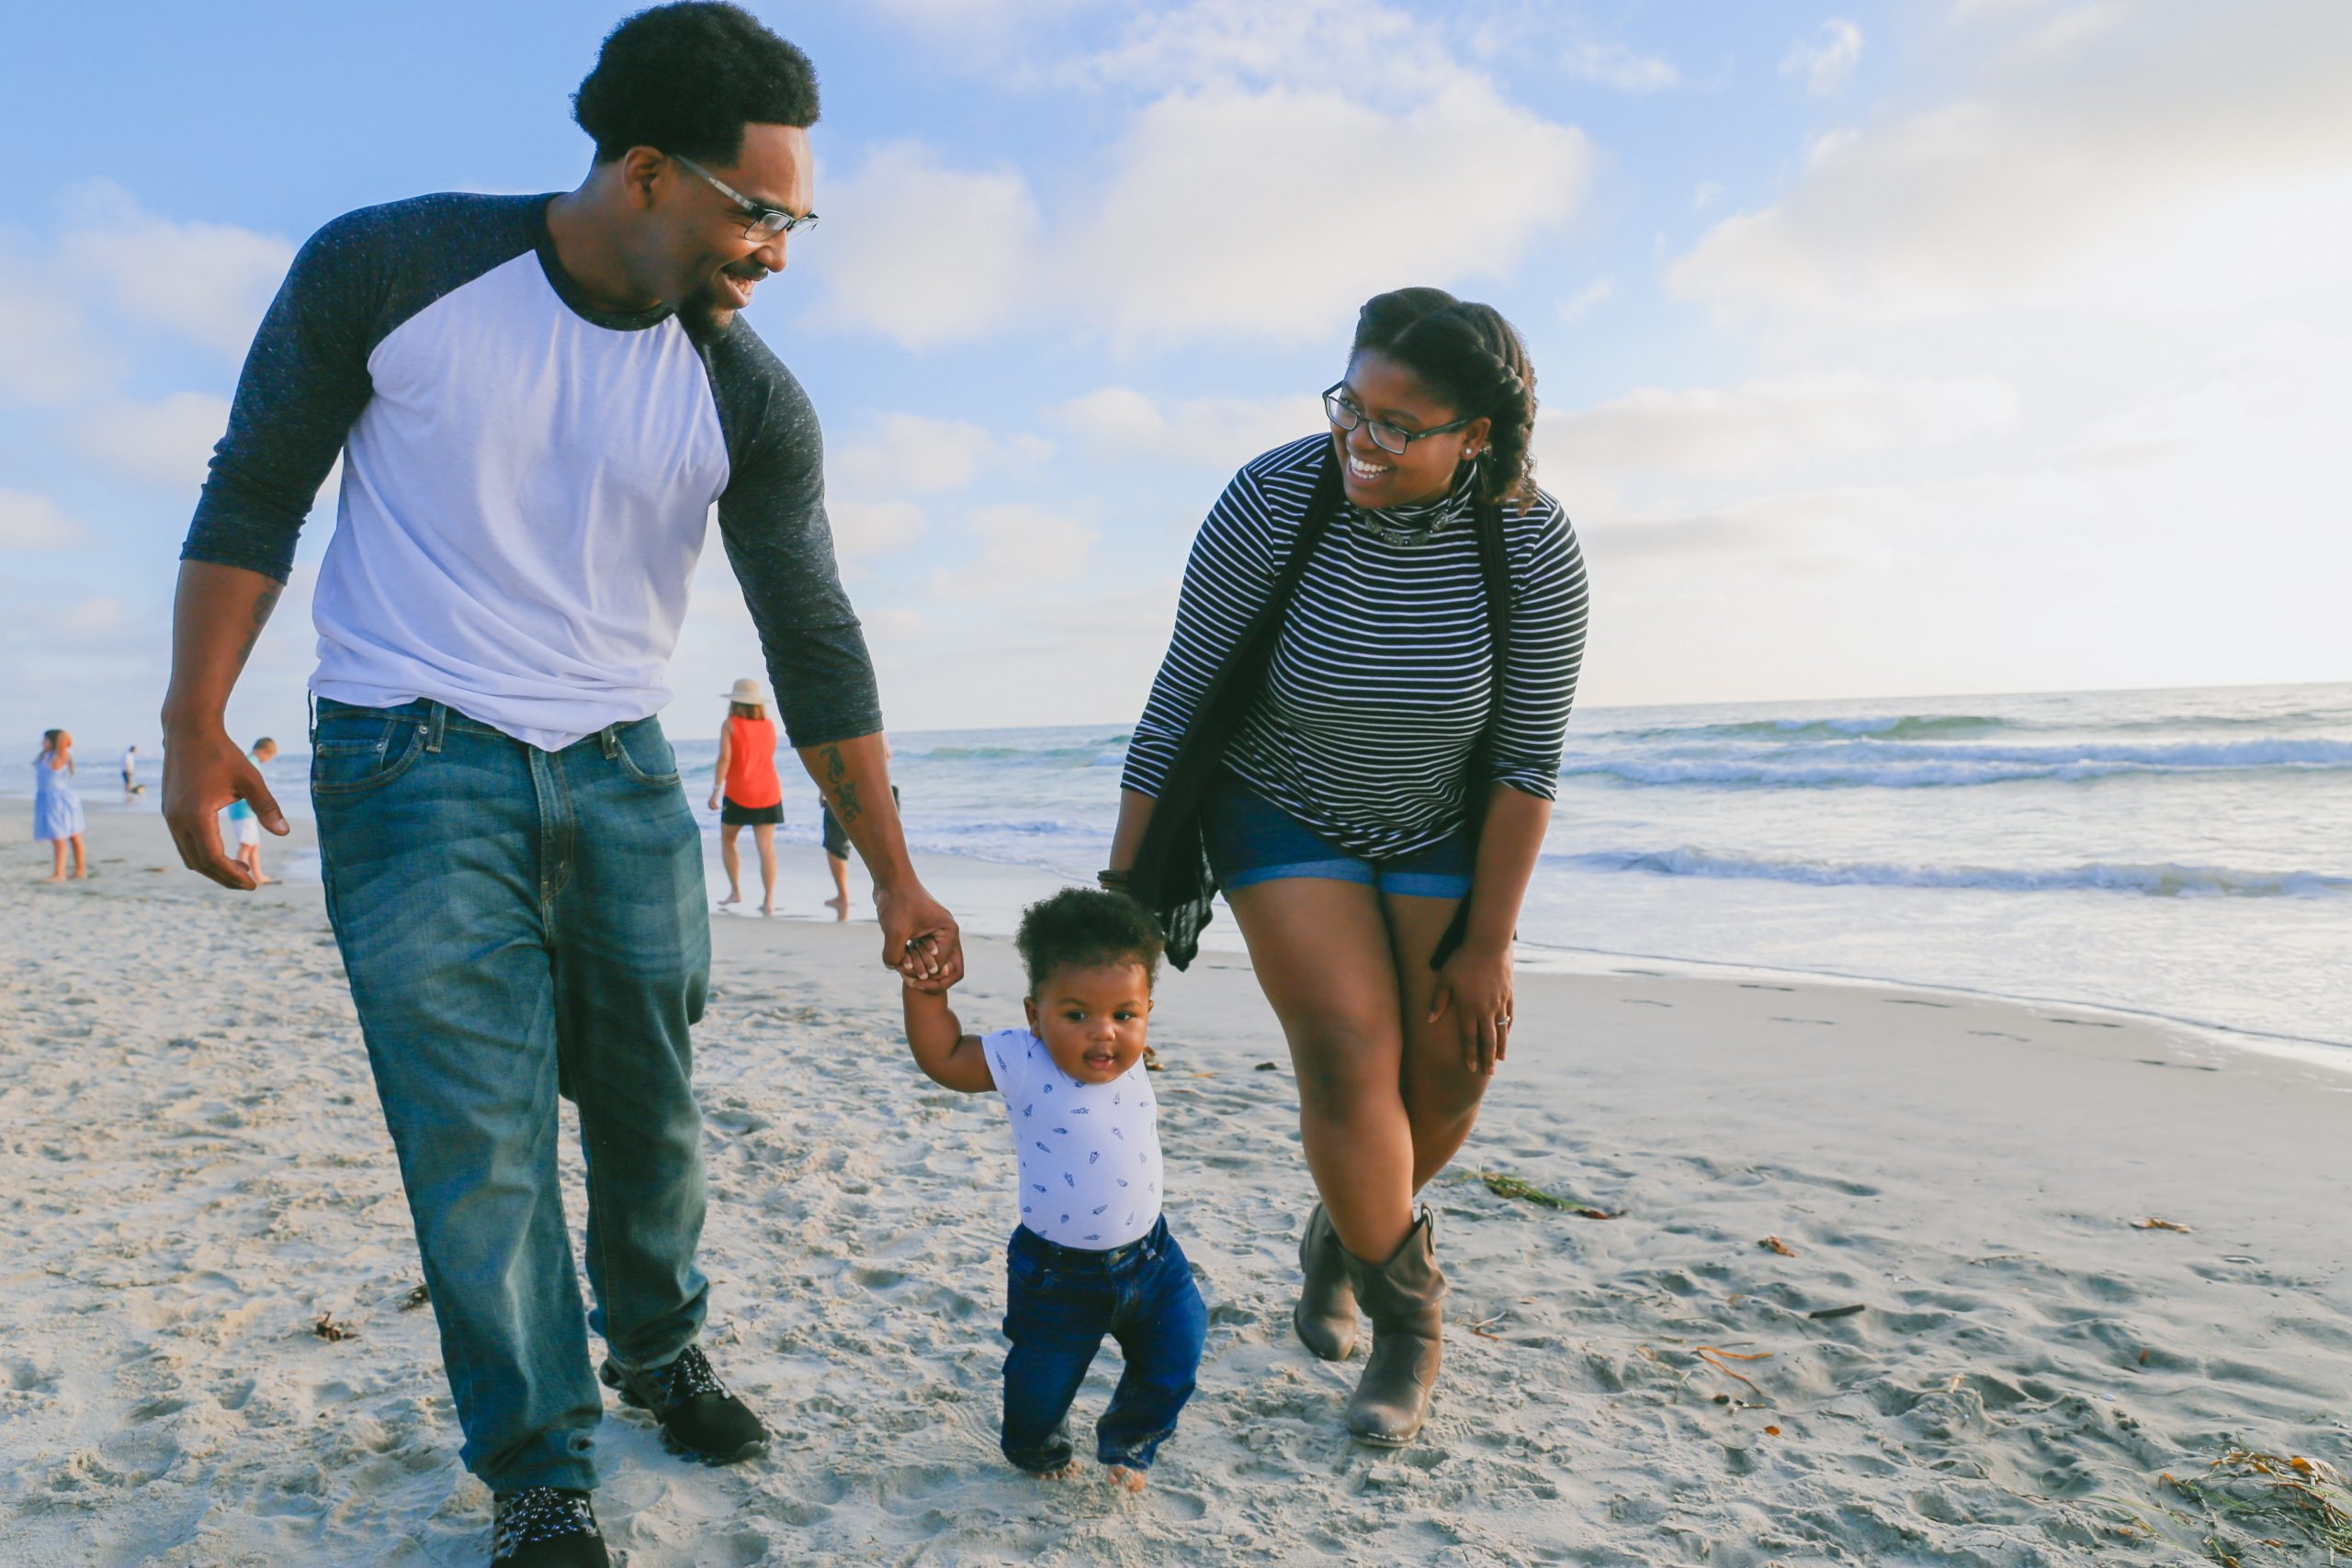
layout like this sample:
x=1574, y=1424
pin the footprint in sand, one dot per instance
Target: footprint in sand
x=1758, y=986
x=1824, y=1023
x=1912, y=1002
x=1996, y=1034
x=1642, y=1002
x=2084, y=1022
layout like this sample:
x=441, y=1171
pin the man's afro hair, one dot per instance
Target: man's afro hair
x=686, y=78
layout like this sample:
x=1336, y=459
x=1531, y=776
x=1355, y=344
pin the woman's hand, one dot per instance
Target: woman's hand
x=714, y=800
x=1475, y=986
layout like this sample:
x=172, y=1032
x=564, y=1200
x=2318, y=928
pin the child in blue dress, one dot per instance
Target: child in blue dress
x=1091, y=1255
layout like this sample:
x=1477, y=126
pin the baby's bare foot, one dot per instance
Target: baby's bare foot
x=1124, y=1478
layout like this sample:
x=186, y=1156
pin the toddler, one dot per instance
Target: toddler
x=1092, y=1254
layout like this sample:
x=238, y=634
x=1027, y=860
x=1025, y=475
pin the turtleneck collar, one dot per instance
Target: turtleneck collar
x=1420, y=520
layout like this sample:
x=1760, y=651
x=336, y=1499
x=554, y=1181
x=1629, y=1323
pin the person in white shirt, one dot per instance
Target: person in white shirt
x=1092, y=1254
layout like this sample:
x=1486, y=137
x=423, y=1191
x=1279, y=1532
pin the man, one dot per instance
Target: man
x=130, y=785
x=537, y=399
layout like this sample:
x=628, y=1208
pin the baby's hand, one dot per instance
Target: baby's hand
x=933, y=988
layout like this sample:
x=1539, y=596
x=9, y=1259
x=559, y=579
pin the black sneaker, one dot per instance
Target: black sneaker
x=546, y=1527
x=698, y=1417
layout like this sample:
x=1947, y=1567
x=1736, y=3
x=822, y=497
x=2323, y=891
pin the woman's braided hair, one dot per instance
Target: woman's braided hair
x=1472, y=358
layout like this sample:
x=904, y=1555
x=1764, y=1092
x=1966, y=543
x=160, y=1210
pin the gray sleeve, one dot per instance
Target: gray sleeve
x=306, y=377
x=305, y=380
x=771, y=520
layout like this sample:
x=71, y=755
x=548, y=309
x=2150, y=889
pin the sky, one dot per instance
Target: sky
x=1892, y=349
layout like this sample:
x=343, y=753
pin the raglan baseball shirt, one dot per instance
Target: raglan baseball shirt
x=527, y=482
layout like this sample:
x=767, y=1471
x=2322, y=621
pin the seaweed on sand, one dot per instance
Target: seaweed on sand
x=1506, y=1186
x=2279, y=1501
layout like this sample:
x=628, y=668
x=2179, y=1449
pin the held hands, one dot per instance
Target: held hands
x=920, y=938
x=1475, y=987
x=202, y=773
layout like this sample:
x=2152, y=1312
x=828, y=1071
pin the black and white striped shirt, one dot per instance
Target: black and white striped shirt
x=1381, y=677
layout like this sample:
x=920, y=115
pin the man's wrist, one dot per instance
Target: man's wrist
x=185, y=724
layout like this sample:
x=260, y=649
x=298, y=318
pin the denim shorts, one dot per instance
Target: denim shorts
x=1251, y=840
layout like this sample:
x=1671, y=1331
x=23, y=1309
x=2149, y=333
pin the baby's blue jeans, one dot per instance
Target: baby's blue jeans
x=1060, y=1303
x=519, y=924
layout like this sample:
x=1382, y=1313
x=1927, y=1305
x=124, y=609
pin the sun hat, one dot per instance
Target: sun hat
x=748, y=691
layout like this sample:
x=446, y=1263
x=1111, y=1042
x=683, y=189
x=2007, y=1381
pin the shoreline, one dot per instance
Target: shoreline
x=997, y=889
x=197, y=1171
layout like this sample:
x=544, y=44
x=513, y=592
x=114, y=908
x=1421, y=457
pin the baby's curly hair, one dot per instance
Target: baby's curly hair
x=1084, y=927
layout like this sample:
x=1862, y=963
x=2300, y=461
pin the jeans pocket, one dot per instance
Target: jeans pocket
x=645, y=756
x=353, y=756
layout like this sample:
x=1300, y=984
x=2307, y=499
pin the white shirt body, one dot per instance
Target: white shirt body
x=523, y=501
x=1089, y=1152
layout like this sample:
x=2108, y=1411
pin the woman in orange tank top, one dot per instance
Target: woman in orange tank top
x=745, y=782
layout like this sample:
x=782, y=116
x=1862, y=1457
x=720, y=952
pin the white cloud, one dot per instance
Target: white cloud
x=208, y=282
x=923, y=254
x=168, y=442
x=1827, y=58
x=1243, y=200
x=1615, y=65
x=2200, y=171
x=47, y=354
x=1782, y=424
x=30, y=522
x=1121, y=423
x=912, y=452
x=1345, y=45
x=1268, y=214
x=1579, y=304
x=1022, y=548
x=864, y=529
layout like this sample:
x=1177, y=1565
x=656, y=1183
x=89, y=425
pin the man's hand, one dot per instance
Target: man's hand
x=202, y=773
x=920, y=938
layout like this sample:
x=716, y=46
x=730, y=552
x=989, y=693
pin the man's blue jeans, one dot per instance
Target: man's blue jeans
x=1060, y=1303
x=517, y=924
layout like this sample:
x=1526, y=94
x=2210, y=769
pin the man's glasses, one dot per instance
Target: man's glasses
x=760, y=221
x=1390, y=438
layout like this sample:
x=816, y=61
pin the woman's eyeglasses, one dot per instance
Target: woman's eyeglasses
x=1390, y=438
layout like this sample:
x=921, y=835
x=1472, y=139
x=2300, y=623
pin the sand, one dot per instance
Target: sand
x=194, y=1176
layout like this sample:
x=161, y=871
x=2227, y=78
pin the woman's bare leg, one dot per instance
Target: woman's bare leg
x=80, y=869
x=1322, y=953
x=732, y=861
x=764, y=837
x=1441, y=1093
x=57, y=860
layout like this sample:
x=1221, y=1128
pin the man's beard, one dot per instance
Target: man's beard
x=706, y=312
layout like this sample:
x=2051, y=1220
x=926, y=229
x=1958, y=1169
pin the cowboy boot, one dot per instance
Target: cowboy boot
x=1402, y=1296
x=1326, y=1313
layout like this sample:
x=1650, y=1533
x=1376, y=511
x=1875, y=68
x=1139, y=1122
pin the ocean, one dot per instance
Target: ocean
x=2186, y=852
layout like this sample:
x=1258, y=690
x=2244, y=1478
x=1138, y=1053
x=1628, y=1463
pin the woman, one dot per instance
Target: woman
x=1358, y=728
x=57, y=809
x=745, y=777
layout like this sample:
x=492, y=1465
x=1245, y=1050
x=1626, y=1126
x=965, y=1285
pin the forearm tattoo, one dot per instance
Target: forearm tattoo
x=844, y=789
x=264, y=603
